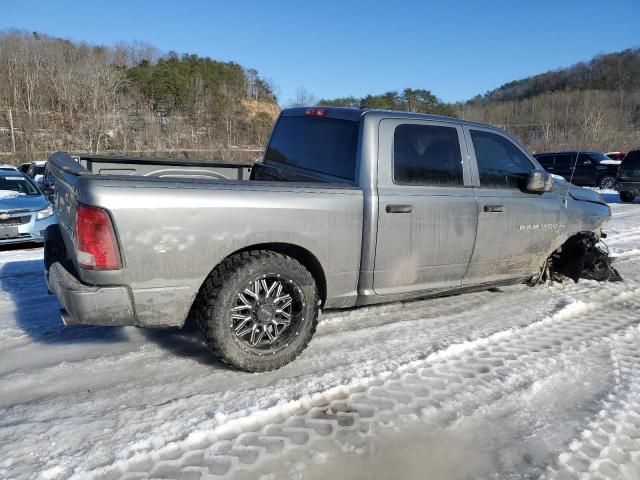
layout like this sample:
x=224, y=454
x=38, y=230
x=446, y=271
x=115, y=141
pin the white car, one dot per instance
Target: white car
x=36, y=171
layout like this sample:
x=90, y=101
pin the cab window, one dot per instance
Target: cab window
x=427, y=155
x=500, y=163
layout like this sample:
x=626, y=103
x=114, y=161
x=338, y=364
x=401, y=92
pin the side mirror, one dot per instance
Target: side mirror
x=539, y=181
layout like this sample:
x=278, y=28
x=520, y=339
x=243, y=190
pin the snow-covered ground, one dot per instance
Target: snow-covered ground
x=516, y=382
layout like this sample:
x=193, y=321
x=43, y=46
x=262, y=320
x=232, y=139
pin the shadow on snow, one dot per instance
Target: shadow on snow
x=38, y=314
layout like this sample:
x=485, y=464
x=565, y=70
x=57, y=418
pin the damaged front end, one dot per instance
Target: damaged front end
x=582, y=256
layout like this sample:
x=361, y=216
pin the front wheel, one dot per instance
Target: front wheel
x=607, y=182
x=627, y=196
x=258, y=310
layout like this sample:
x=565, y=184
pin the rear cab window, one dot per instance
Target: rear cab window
x=322, y=145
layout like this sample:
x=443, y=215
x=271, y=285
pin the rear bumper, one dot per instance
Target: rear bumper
x=89, y=305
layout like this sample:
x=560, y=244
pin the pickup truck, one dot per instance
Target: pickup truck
x=628, y=181
x=348, y=207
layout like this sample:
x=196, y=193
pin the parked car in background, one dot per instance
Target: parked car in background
x=36, y=170
x=628, y=181
x=591, y=168
x=24, y=167
x=8, y=166
x=24, y=210
x=616, y=155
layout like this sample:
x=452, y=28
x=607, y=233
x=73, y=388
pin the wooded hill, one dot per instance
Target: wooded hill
x=613, y=71
x=409, y=100
x=60, y=95
x=592, y=105
x=56, y=94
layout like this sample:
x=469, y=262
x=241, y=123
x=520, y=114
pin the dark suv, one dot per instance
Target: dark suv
x=628, y=182
x=592, y=168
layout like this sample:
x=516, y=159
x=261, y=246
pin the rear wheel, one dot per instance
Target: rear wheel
x=627, y=196
x=607, y=182
x=258, y=310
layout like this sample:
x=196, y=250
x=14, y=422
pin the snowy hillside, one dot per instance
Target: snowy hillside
x=516, y=382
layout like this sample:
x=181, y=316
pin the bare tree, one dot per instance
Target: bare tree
x=304, y=98
x=74, y=96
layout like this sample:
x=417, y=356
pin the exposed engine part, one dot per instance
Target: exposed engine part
x=582, y=256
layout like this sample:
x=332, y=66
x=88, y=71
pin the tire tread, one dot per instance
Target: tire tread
x=214, y=285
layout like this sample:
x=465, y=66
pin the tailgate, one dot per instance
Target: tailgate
x=64, y=177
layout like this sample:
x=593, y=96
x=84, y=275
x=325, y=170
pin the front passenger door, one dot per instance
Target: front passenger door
x=516, y=228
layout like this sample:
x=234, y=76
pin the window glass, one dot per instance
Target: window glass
x=565, y=160
x=631, y=161
x=427, y=155
x=13, y=183
x=545, y=160
x=595, y=156
x=500, y=163
x=323, y=145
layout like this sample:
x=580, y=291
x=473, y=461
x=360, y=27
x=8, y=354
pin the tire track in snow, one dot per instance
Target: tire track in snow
x=610, y=448
x=457, y=380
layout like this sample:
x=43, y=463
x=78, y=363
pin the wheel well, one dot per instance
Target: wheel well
x=569, y=258
x=302, y=255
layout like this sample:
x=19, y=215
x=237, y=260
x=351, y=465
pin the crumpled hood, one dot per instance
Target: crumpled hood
x=23, y=202
x=577, y=193
x=586, y=195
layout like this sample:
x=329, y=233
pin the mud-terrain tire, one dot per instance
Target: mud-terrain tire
x=627, y=197
x=607, y=182
x=232, y=286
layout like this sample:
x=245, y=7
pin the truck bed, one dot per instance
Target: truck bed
x=174, y=228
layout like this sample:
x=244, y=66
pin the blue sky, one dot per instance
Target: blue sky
x=338, y=48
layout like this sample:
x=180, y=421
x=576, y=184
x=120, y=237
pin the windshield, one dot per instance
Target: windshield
x=11, y=185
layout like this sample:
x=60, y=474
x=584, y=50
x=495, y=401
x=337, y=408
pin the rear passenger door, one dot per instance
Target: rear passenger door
x=516, y=228
x=427, y=212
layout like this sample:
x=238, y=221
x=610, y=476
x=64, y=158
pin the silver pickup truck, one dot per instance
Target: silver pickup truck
x=348, y=207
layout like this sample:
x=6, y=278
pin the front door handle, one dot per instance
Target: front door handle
x=397, y=208
x=494, y=208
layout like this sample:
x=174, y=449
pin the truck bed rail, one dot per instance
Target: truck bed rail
x=86, y=164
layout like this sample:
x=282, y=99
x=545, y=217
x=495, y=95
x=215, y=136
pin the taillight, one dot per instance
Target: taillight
x=96, y=245
x=316, y=112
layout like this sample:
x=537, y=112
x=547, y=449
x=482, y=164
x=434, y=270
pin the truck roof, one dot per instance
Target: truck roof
x=352, y=113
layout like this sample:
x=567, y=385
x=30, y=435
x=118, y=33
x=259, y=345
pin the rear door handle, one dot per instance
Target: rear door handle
x=494, y=208
x=397, y=208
